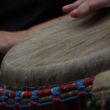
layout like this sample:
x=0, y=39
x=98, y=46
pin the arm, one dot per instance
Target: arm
x=9, y=39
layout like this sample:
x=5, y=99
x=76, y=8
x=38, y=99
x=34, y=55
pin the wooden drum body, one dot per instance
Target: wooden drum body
x=69, y=51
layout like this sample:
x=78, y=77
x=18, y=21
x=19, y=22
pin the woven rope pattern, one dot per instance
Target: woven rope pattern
x=42, y=97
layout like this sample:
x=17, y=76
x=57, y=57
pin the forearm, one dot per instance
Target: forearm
x=9, y=39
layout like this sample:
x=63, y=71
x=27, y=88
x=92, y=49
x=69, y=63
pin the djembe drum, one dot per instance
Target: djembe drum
x=41, y=71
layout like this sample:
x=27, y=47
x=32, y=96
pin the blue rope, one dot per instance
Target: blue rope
x=46, y=103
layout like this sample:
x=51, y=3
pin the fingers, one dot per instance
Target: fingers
x=70, y=7
x=82, y=8
x=97, y=4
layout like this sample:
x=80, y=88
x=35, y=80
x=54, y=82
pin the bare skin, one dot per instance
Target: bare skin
x=9, y=39
x=80, y=8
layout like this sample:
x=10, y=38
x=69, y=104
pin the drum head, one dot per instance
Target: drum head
x=60, y=54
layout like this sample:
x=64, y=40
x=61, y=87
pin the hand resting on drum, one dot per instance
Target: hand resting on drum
x=82, y=8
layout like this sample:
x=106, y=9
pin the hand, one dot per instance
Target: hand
x=82, y=8
x=9, y=39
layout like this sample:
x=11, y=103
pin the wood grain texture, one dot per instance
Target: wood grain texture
x=60, y=54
